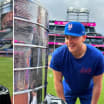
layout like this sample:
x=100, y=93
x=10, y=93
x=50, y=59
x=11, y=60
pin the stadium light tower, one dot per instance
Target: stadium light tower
x=84, y=10
x=72, y=10
x=76, y=14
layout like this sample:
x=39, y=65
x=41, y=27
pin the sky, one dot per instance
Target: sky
x=57, y=10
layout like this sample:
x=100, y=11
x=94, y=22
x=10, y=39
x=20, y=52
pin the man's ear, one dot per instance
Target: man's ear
x=84, y=37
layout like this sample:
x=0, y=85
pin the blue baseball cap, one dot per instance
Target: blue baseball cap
x=74, y=29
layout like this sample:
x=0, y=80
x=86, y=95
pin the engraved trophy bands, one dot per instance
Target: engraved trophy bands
x=30, y=51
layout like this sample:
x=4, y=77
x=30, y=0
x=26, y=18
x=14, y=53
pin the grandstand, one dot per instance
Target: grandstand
x=6, y=28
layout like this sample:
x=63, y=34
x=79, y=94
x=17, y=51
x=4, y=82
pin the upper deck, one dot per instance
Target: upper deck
x=56, y=34
x=57, y=27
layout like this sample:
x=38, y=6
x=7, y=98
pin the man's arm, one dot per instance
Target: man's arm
x=97, y=88
x=58, y=84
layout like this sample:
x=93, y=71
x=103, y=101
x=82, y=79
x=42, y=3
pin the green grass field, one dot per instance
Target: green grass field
x=6, y=73
x=51, y=89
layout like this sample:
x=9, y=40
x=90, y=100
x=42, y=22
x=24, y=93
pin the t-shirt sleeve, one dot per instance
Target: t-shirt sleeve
x=99, y=66
x=56, y=62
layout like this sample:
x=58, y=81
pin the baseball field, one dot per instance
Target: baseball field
x=6, y=78
x=6, y=73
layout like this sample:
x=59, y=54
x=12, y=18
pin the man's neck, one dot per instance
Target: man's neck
x=81, y=52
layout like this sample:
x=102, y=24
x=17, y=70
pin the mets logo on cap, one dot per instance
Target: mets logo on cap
x=69, y=27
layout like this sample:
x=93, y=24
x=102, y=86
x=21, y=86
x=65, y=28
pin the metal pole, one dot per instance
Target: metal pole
x=0, y=13
x=77, y=16
x=46, y=68
x=88, y=18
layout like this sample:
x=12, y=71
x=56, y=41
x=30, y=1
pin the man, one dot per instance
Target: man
x=80, y=64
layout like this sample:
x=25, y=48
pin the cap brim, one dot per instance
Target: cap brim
x=73, y=34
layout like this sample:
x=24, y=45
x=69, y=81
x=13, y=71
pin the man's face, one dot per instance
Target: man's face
x=74, y=43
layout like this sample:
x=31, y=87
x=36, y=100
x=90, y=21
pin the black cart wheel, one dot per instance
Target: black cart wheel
x=4, y=95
